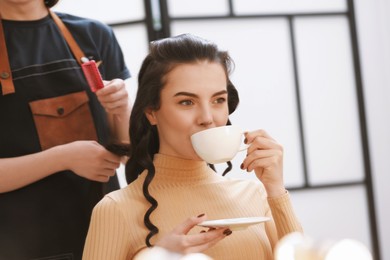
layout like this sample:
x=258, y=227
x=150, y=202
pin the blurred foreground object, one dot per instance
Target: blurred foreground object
x=296, y=246
x=159, y=253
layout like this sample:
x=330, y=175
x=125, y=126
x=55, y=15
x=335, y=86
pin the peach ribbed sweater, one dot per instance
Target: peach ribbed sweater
x=185, y=188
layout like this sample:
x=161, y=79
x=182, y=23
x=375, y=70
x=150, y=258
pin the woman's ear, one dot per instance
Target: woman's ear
x=151, y=116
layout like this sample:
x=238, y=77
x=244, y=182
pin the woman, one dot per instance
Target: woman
x=53, y=128
x=184, y=88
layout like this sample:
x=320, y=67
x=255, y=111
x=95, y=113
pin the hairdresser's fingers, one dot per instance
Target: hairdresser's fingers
x=112, y=91
x=111, y=87
x=102, y=178
x=114, y=97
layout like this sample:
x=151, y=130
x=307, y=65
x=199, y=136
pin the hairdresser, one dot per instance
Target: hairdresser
x=54, y=166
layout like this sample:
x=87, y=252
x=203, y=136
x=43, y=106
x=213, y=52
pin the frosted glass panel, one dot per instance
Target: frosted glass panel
x=329, y=100
x=133, y=40
x=264, y=79
x=197, y=8
x=334, y=214
x=287, y=6
x=106, y=11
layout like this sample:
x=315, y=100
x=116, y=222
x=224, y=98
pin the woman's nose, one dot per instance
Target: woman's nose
x=205, y=117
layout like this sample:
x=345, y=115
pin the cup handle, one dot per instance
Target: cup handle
x=243, y=146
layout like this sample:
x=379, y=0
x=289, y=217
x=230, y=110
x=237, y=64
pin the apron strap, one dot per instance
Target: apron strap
x=7, y=84
x=74, y=47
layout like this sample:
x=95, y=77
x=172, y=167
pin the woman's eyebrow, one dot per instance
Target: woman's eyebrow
x=220, y=93
x=189, y=94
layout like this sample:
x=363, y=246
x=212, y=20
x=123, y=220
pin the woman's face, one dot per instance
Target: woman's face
x=194, y=98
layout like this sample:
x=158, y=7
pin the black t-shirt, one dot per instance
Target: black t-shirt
x=50, y=217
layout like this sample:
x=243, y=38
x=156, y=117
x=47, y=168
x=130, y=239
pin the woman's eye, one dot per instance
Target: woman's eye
x=220, y=100
x=186, y=102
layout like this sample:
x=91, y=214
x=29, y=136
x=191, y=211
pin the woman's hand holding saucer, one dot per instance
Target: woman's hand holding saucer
x=179, y=241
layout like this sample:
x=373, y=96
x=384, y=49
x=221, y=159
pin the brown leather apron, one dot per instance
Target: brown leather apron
x=58, y=120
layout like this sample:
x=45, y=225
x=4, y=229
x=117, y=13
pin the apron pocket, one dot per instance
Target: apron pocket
x=63, y=119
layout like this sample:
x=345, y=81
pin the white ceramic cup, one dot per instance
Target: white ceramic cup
x=218, y=144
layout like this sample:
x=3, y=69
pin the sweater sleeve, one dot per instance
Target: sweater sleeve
x=284, y=219
x=107, y=235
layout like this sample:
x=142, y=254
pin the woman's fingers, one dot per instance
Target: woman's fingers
x=249, y=136
x=265, y=157
x=180, y=241
x=202, y=241
x=261, y=142
x=188, y=224
x=259, y=158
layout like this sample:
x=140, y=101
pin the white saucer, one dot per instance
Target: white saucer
x=233, y=224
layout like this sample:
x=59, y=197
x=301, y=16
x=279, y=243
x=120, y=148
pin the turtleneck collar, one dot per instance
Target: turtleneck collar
x=175, y=169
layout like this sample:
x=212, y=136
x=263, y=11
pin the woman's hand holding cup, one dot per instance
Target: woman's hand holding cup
x=265, y=157
x=264, y=154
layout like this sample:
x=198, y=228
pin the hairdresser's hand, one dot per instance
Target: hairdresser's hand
x=179, y=241
x=265, y=157
x=114, y=97
x=90, y=160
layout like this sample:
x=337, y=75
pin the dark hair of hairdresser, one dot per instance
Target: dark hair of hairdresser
x=164, y=55
x=50, y=3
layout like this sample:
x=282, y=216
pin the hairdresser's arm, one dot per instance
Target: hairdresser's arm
x=115, y=100
x=87, y=159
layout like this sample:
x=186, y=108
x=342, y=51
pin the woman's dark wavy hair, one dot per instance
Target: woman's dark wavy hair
x=164, y=55
x=50, y=3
